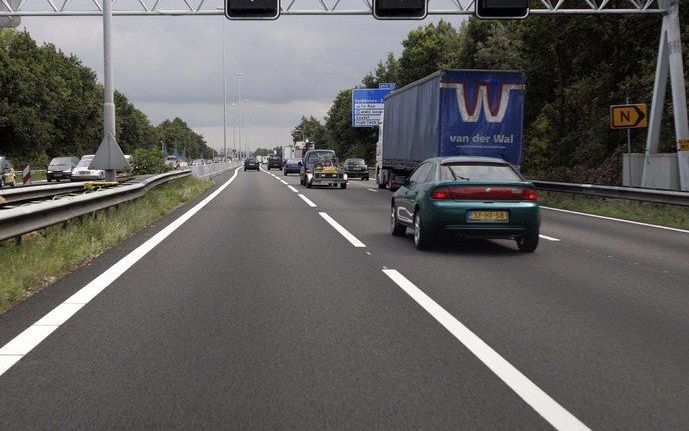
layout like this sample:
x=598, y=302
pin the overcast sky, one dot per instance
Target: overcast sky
x=172, y=66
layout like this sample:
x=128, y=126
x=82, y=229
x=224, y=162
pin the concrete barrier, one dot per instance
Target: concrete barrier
x=211, y=169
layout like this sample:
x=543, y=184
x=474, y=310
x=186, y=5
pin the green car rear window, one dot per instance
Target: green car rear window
x=478, y=171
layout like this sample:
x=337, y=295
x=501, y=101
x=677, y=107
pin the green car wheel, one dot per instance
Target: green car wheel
x=528, y=242
x=422, y=237
x=396, y=228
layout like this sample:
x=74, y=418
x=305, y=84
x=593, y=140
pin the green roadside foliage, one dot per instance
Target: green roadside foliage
x=571, y=83
x=51, y=105
x=660, y=214
x=42, y=258
x=148, y=162
x=38, y=176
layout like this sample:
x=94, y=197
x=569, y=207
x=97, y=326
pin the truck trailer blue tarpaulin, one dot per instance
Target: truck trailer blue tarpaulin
x=457, y=112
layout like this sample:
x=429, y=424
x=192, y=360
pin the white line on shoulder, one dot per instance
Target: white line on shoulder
x=344, y=232
x=293, y=189
x=541, y=402
x=549, y=238
x=32, y=336
x=674, y=229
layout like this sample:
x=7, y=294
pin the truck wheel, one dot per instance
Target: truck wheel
x=343, y=185
x=422, y=236
x=528, y=242
x=396, y=229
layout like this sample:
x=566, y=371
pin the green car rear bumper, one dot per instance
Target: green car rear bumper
x=451, y=217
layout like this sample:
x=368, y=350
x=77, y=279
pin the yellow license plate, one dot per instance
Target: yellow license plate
x=499, y=216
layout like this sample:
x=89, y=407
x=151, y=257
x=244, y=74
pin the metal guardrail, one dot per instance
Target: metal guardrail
x=630, y=193
x=24, y=219
x=25, y=194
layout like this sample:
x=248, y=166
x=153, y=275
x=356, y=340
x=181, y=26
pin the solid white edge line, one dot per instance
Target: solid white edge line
x=293, y=189
x=307, y=200
x=674, y=229
x=23, y=343
x=527, y=390
x=282, y=181
x=372, y=190
x=549, y=238
x=344, y=232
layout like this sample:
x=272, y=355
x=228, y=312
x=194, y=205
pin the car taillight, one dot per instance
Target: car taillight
x=490, y=193
x=441, y=193
x=530, y=194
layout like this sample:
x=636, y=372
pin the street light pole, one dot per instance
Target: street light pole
x=239, y=79
x=224, y=97
x=234, y=127
x=246, y=127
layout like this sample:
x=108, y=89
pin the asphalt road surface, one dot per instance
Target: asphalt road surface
x=259, y=310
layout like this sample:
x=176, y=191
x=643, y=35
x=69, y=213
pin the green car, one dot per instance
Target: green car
x=472, y=197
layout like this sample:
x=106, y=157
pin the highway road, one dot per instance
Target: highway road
x=266, y=305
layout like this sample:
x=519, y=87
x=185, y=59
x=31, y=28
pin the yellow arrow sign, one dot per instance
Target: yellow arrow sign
x=629, y=116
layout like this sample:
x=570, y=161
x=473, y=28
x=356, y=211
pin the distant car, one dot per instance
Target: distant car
x=61, y=168
x=82, y=172
x=198, y=162
x=7, y=174
x=251, y=163
x=472, y=197
x=356, y=168
x=172, y=162
x=319, y=167
x=274, y=161
x=292, y=166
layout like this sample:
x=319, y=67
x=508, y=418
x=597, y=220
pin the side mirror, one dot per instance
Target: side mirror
x=300, y=164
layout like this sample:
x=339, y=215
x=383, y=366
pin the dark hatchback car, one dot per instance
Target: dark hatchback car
x=251, y=163
x=356, y=168
x=292, y=166
x=472, y=197
x=61, y=168
x=274, y=162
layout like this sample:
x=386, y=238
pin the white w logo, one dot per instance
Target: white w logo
x=481, y=102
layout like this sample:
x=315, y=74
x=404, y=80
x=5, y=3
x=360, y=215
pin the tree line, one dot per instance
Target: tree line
x=52, y=105
x=576, y=67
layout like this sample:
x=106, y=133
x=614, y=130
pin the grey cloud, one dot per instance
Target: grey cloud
x=171, y=66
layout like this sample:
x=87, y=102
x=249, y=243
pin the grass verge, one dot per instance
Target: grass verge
x=660, y=214
x=44, y=257
x=35, y=176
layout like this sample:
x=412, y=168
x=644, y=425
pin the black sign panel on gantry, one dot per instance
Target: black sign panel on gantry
x=400, y=9
x=502, y=9
x=252, y=9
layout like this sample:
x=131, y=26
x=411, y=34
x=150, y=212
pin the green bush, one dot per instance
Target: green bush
x=146, y=161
